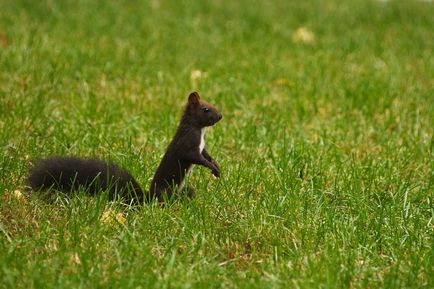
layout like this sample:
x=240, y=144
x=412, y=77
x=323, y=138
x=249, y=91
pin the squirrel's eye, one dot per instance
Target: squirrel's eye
x=205, y=109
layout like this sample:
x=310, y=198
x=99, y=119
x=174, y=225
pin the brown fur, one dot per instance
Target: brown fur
x=183, y=150
x=70, y=173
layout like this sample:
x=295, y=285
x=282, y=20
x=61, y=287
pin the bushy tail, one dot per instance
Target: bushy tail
x=69, y=174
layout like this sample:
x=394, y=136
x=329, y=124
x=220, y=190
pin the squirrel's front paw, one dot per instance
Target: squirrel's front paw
x=215, y=164
x=215, y=171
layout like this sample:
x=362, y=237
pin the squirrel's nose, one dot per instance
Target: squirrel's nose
x=220, y=116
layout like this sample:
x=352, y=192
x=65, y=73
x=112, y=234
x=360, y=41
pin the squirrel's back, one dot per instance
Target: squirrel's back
x=70, y=173
x=186, y=148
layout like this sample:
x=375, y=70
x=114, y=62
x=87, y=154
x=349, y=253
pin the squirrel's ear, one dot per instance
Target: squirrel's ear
x=193, y=98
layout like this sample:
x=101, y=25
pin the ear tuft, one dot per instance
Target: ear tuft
x=193, y=98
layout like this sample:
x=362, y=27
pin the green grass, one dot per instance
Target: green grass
x=326, y=147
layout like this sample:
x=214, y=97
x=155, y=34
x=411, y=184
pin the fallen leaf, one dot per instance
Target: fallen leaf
x=303, y=35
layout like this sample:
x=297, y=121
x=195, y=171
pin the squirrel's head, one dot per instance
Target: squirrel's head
x=199, y=112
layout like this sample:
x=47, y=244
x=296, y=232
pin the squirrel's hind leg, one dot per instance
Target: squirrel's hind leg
x=188, y=192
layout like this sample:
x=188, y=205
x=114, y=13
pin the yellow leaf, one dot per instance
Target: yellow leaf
x=303, y=35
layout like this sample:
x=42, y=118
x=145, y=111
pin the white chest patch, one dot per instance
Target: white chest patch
x=201, y=147
x=202, y=140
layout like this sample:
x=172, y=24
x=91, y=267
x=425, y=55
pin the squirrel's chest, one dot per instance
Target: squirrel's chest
x=202, y=140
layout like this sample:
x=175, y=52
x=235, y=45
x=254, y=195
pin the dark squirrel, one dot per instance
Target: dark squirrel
x=66, y=174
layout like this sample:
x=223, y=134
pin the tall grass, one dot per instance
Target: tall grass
x=326, y=144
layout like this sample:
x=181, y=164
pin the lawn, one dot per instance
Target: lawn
x=326, y=142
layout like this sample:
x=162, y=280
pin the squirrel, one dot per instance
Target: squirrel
x=66, y=173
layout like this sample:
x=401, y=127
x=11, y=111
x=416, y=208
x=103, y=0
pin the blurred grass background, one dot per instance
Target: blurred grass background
x=326, y=144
